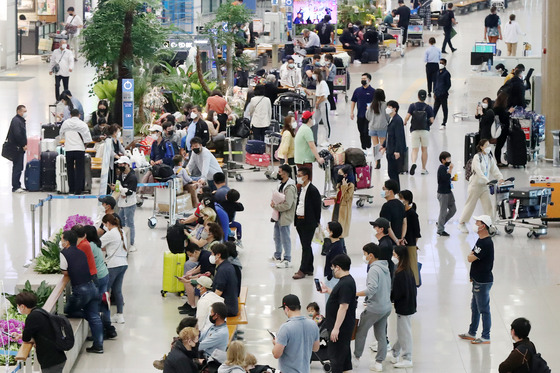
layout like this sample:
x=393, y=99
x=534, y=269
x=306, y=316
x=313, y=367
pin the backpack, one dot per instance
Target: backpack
x=539, y=365
x=468, y=167
x=419, y=119
x=63, y=333
x=444, y=19
x=492, y=21
x=162, y=172
x=176, y=238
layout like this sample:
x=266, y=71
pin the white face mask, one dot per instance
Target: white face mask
x=485, y=150
x=154, y=136
x=212, y=259
x=299, y=180
x=294, y=124
x=63, y=46
x=389, y=111
x=365, y=259
x=60, y=245
x=119, y=134
x=395, y=260
x=383, y=193
x=194, y=116
x=314, y=76
x=475, y=228
x=441, y=66
x=484, y=105
x=291, y=65
x=204, y=235
x=24, y=115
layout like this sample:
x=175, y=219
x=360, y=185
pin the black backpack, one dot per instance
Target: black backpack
x=539, y=365
x=419, y=119
x=63, y=333
x=162, y=172
x=176, y=238
x=444, y=19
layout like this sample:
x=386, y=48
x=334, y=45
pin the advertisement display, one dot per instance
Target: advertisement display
x=313, y=11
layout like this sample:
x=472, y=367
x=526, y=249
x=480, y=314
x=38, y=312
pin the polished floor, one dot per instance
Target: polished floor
x=526, y=274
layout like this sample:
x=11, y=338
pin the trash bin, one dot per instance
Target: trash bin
x=556, y=148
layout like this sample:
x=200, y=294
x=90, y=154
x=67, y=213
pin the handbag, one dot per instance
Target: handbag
x=56, y=67
x=9, y=150
x=319, y=236
x=338, y=154
x=453, y=33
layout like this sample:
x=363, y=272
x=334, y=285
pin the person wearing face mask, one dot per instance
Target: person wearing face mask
x=517, y=89
x=117, y=151
x=330, y=74
x=305, y=149
x=309, y=82
x=411, y=231
x=207, y=298
x=502, y=114
x=183, y=353
x=219, y=105
x=395, y=143
x=524, y=351
x=322, y=106
x=333, y=233
x=259, y=111
x=39, y=329
x=62, y=64
x=127, y=198
x=16, y=146
x=441, y=91
x=162, y=151
x=197, y=128
x=447, y=208
x=484, y=169
x=285, y=207
x=70, y=103
x=108, y=204
x=486, y=118
x=296, y=339
x=362, y=97
x=73, y=26
x=216, y=336
x=290, y=74
x=225, y=279
x=171, y=135
x=481, y=258
x=381, y=227
x=345, y=185
x=378, y=306
x=378, y=121
x=286, y=148
x=101, y=112
x=204, y=161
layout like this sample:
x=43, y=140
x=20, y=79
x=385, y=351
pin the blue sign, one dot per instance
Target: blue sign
x=128, y=104
x=289, y=2
x=128, y=85
x=289, y=18
x=274, y=2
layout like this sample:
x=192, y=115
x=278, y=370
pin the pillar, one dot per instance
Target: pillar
x=550, y=69
x=8, y=34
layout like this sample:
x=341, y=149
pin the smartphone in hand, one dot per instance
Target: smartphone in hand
x=318, y=285
x=271, y=334
x=177, y=277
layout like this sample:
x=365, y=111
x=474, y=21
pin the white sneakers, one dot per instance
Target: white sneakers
x=376, y=367
x=355, y=362
x=117, y=319
x=283, y=264
x=20, y=190
x=132, y=249
x=463, y=228
x=424, y=172
x=393, y=359
x=404, y=364
x=442, y=128
x=324, y=144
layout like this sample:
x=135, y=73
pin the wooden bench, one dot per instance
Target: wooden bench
x=243, y=295
x=233, y=322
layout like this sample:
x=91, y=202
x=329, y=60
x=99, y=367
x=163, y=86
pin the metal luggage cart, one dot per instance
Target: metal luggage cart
x=415, y=35
x=296, y=102
x=165, y=202
x=341, y=81
x=393, y=45
x=329, y=191
x=45, y=49
x=56, y=39
x=499, y=4
x=513, y=211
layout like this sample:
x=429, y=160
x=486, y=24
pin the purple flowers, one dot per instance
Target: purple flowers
x=76, y=219
x=9, y=327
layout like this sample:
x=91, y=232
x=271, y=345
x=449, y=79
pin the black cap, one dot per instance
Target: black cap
x=422, y=94
x=291, y=301
x=381, y=223
x=108, y=200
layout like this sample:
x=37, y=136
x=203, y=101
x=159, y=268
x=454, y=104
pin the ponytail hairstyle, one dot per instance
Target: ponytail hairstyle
x=511, y=18
x=109, y=218
x=407, y=196
x=404, y=259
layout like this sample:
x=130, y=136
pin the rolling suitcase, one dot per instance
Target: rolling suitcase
x=516, y=146
x=259, y=160
x=61, y=175
x=255, y=147
x=51, y=131
x=48, y=171
x=48, y=145
x=404, y=162
x=33, y=175
x=87, y=173
x=363, y=177
x=471, y=140
x=173, y=265
x=33, y=148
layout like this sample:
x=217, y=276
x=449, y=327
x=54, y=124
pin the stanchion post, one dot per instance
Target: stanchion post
x=33, y=231
x=49, y=199
x=40, y=224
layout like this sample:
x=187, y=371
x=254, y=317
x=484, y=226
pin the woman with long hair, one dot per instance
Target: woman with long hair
x=411, y=231
x=485, y=116
x=403, y=295
x=286, y=148
x=114, y=246
x=484, y=169
x=322, y=105
x=235, y=358
x=378, y=120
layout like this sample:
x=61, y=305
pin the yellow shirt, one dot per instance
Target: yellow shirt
x=286, y=147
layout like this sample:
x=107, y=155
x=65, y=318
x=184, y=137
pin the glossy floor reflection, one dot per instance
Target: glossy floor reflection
x=526, y=274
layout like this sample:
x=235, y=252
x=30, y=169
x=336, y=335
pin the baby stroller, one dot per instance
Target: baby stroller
x=321, y=355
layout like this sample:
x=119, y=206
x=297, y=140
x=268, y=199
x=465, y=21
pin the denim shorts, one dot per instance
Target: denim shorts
x=378, y=133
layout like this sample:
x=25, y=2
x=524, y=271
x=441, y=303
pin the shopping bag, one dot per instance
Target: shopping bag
x=319, y=236
x=453, y=33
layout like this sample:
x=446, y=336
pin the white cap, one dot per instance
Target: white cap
x=124, y=159
x=487, y=220
x=156, y=127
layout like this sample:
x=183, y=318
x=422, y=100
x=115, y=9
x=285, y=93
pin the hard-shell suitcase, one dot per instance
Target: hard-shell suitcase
x=553, y=211
x=48, y=145
x=48, y=171
x=471, y=140
x=363, y=177
x=87, y=174
x=516, y=147
x=173, y=265
x=33, y=175
x=255, y=147
x=404, y=162
x=260, y=160
x=61, y=175
x=33, y=148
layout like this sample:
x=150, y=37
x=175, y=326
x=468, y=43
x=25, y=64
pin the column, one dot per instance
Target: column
x=550, y=70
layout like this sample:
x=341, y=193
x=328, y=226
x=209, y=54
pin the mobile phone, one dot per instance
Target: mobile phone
x=318, y=285
x=271, y=334
x=177, y=277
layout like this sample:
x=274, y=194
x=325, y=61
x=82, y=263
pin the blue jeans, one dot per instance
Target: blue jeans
x=116, y=276
x=237, y=225
x=127, y=219
x=102, y=284
x=282, y=239
x=84, y=303
x=480, y=305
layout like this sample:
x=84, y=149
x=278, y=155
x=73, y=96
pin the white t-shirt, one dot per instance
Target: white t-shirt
x=113, y=245
x=322, y=89
x=300, y=209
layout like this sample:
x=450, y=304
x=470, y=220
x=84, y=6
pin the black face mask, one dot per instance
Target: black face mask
x=339, y=179
x=278, y=177
x=211, y=319
x=447, y=164
x=364, y=82
x=170, y=133
x=122, y=168
x=102, y=111
x=200, y=221
x=196, y=150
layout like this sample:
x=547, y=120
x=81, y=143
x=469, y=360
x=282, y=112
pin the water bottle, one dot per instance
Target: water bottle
x=118, y=186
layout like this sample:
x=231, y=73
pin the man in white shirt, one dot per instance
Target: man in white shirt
x=76, y=134
x=312, y=41
x=62, y=64
x=290, y=75
x=206, y=300
x=72, y=27
x=203, y=160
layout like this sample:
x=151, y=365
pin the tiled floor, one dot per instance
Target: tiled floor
x=526, y=275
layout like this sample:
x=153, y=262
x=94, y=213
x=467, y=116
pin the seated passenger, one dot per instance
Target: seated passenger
x=216, y=336
x=225, y=279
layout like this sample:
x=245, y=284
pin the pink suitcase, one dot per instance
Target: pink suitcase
x=260, y=160
x=33, y=148
x=363, y=177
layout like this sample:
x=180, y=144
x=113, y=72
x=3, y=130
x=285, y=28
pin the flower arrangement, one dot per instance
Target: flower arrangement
x=154, y=99
x=75, y=220
x=7, y=343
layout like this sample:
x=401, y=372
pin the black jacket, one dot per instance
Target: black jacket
x=443, y=83
x=272, y=91
x=202, y=131
x=97, y=132
x=485, y=122
x=130, y=182
x=504, y=116
x=347, y=38
x=517, y=92
x=403, y=294
x=312, y=207
x=396, y=138
x=180, y=360
x=17, y=134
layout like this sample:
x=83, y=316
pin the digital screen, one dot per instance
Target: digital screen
x=485, y=48
x=313, y=11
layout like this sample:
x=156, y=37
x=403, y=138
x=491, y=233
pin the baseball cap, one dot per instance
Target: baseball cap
x=422, y=94
x=203, y=281
x=124, y=159
x=307, y=114
x=108, y=200
x=291, y=301
x=381, y=223
x=156, y=127
x=487, y=220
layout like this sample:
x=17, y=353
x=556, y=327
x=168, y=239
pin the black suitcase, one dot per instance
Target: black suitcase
x=255, y=147
x=48, y=171
x=516, y=146
x=51, y=131
x=404, y=162
x=471, y=141
x=87, y=179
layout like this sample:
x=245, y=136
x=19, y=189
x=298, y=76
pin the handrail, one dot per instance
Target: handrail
x=49, y=306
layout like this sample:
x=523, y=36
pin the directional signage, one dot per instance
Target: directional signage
x=128, y=110
x=289, y=2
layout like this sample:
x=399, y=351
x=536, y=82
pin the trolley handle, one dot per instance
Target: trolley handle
x=494, y=182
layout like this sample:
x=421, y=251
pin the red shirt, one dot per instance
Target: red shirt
x=86, y=248
x=216, y=103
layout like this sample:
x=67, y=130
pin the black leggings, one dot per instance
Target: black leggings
x=332, y=101
x=500, y=143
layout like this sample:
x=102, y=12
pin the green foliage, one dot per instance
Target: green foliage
x=43, y=293
x=49, y=260
x=364, y=11
x=106, y=90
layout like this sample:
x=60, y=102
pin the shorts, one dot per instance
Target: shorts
x=419, y=138
x=378, y=133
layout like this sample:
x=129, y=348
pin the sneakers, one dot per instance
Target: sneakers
x=355, y=362
x=376, y=367
x=190, y=312
x=185, y=306
x=393, y=359
x=442, y=128
x=453, y=50
x=95, y=350
x=480, y=341
x=424, y=172
x=443, y=234
x=412, y=170
x=118, y=318
x=284, y=264
x=324, y=144
x=467, y=336
x=357, y=62
x=132, y=249
x=463, y=228
x=20, y=190
x=403, y=364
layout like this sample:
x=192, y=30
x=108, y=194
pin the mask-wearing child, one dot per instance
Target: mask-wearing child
x=314, y=313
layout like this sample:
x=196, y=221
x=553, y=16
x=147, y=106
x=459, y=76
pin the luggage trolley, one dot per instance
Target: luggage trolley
x=415, y=35
x=515, y=206
x=342, y=81
x=165, y=202
x=329, y=191
x=295, y=102
x=393, y=45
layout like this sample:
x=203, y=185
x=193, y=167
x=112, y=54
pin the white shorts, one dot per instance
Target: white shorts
x=419, y=138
